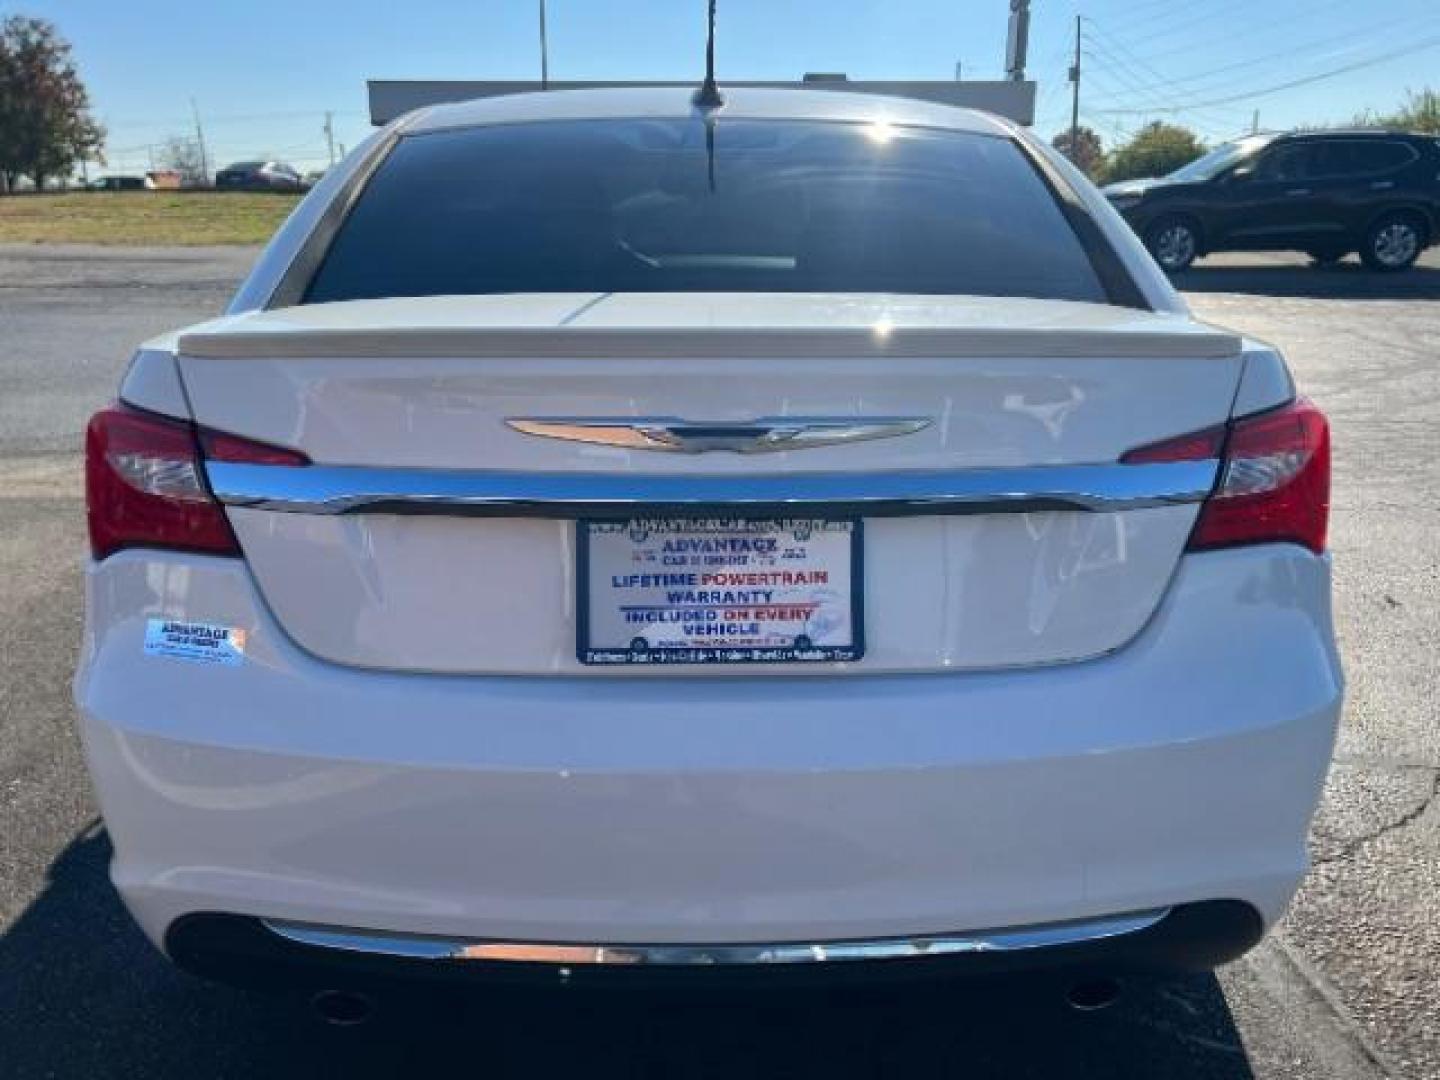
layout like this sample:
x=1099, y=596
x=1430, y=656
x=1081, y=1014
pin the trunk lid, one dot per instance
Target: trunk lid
x=456, y=385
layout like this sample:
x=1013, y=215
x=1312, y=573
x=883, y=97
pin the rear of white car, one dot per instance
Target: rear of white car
x=542, y=575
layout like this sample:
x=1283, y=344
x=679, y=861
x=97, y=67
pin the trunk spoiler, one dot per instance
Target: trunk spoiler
x=663, y=343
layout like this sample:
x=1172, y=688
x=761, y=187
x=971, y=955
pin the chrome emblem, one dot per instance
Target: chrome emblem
x=765, y=436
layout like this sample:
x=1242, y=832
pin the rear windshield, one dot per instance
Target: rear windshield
x=674, y=206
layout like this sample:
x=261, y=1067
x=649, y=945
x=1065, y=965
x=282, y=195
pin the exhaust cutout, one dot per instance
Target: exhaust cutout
x=1092, y=995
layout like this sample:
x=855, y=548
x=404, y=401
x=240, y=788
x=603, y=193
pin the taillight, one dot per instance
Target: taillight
x=219, y=446
x=145, y=486
x=1274, y=484
x=1196, y=446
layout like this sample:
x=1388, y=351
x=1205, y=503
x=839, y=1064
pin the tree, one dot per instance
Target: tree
x=45, y=122
x=1420, y=112
x=1156, y=150
x=1088, y=154
x=184, y=156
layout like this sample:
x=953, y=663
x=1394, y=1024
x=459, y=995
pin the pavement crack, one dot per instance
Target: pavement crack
x=1349, y=848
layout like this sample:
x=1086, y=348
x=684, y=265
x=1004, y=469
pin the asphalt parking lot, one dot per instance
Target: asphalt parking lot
x=1347, y=987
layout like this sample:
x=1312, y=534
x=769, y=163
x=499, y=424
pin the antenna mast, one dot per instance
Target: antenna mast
x=709, y=96
x=544, y=51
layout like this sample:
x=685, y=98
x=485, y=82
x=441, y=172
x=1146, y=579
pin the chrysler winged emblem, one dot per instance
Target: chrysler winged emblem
x=765, y=436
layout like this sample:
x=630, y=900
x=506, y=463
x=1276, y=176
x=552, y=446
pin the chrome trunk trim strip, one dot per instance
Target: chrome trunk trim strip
x=426, y=947
x=768, y=435
x=339, y=489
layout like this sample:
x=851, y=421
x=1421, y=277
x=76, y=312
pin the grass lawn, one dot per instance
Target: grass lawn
x=142, y=217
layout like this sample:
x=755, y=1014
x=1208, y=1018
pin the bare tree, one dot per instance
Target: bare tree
x=183, y=155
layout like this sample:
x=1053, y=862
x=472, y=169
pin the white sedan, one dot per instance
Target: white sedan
x=607, y=536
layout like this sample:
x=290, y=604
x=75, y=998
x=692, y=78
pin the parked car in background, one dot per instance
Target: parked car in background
x=259, y=176
x=1325, y=193
x=603, y=537
x=122, y=183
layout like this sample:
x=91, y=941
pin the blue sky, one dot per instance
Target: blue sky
x=264, y=72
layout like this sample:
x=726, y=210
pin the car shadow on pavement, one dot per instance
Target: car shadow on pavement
x=83, y=994
x=1343, y=281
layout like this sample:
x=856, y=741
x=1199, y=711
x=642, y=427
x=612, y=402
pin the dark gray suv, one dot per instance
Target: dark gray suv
x=1326, y=193
x=259, y=176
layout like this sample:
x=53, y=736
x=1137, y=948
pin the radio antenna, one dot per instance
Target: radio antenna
x=709, y=96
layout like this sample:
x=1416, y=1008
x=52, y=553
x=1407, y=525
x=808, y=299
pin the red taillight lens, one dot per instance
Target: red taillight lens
x=1274, y=478
x=218, y=446
x=1275, y=483
x=145, y=487
x=1197, y=446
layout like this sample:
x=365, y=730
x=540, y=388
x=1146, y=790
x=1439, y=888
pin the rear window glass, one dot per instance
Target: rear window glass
x=667, y=206
x=1355, y=157
x=1371, y=157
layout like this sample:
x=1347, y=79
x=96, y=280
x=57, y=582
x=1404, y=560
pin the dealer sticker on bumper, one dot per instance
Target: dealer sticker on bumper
x=201, y=642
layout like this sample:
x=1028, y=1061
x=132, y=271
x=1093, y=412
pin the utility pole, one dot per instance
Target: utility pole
x=1075, y=97
x=544, y=51
x=200, y=138
x=1017, y=40
x=1255, y=123
x=330, y=135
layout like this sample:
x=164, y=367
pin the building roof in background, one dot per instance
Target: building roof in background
x=928, y=103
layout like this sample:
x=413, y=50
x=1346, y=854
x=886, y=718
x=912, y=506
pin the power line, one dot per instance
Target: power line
x=1187, y=83
x=1212, y=128
x=1138, y=67
x=1420, y=46
x=1165, y=16
x=1177, y=95
x=1162, y=93
x=230, y=118
x=1184, y=26
x=1135, y=83
x=1139, y=84
x=308, y=144
x=1057, y=61
x=1224, y=33
x=1147, y=86
x=1145, y=14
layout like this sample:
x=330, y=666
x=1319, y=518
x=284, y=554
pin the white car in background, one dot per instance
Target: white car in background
x=608, y=537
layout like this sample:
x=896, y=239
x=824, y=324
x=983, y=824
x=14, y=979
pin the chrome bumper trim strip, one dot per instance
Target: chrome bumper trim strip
x=339, y=489
x=423, y=947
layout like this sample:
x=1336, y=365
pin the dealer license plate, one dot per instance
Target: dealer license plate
x=719, y=591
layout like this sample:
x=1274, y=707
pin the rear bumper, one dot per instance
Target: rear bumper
x=249, y=952
x=663, y=810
